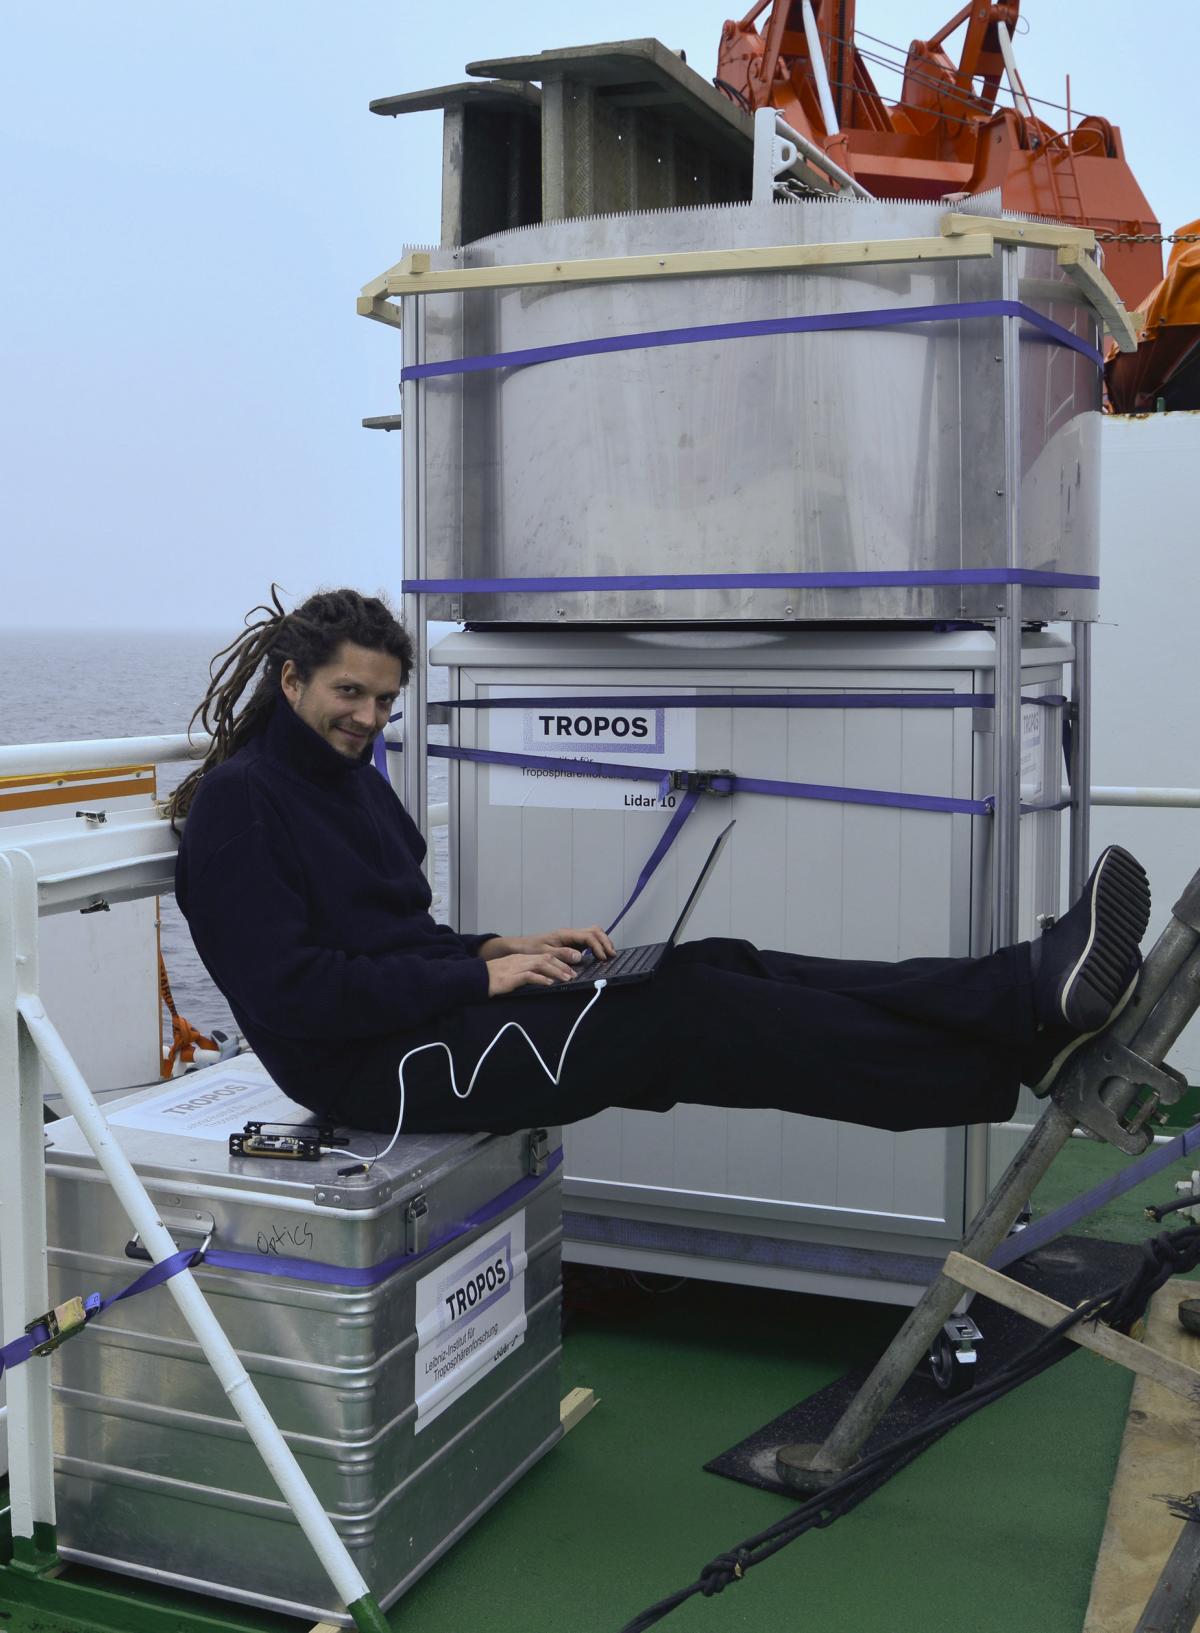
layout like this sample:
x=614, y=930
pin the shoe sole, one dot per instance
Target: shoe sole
x=1120, y=911
x=1043, y=1086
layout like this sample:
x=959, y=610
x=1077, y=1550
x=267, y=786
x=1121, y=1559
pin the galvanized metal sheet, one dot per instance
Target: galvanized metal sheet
x=877, y=450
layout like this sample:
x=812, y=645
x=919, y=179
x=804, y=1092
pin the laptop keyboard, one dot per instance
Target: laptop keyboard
x=629, y=961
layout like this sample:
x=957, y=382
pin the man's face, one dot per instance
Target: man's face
x=346, y=701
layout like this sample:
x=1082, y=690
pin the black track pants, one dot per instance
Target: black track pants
x=920, y=1044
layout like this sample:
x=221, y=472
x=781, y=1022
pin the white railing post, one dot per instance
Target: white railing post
x=23, y=1273
x=28, y=1039
x=98, y=753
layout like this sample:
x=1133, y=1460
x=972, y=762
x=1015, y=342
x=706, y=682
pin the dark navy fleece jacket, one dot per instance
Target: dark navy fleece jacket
x=299, y=875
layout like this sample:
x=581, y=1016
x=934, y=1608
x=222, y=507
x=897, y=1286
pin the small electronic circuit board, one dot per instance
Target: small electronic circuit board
x=284, y=1141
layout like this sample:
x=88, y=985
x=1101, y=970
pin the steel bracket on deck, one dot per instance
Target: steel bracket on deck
x=1120, y=1107
x=1113, y=1087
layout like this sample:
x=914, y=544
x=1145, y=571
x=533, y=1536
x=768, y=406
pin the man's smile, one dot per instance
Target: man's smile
x=354, y=742
x=348, y=701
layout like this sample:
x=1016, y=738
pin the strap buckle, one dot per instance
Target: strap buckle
x=538, y=1154
x=61, y=1323
x=700, y=782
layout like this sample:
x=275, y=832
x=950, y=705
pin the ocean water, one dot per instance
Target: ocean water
x=68, y=685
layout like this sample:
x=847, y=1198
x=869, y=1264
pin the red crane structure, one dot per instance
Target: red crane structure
x=947, y=133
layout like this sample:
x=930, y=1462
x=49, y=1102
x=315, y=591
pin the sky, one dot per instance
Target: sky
x=194, y=194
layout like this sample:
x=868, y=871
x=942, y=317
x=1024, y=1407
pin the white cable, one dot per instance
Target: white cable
x=463, y=1094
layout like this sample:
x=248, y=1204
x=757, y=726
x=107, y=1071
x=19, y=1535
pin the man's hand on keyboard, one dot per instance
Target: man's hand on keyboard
x=513, y=970
x=562, y=942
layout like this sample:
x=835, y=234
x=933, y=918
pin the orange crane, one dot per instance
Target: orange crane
x=946, y=134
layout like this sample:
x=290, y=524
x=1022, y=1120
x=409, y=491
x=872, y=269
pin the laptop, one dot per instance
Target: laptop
x=631, y=964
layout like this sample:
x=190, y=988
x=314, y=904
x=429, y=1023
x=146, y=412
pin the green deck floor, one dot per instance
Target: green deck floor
x=995, y=1528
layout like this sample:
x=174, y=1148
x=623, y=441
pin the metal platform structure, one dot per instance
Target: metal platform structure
x=754, y=405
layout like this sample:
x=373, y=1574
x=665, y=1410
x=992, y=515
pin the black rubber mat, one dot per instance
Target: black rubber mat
x=1070, y=1269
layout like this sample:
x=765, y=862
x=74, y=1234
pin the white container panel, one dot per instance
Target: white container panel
x=811, y=876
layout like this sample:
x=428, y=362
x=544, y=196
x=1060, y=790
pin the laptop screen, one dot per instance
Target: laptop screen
x=718, y=846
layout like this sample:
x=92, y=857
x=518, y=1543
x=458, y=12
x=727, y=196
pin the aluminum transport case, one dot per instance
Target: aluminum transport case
x=403, y=1328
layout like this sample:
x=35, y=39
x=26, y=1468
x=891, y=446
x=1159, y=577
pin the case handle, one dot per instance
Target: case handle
x=190, y=1226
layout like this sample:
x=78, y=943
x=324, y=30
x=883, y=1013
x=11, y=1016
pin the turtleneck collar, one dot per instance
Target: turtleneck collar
x=291, y=741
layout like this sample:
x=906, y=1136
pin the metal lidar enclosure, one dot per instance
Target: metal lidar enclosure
x=409, y=1353
x=755, y=1196
x=876, y=443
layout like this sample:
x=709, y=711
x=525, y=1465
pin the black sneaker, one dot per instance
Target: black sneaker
x=1055, y=1045
x=1086, y=966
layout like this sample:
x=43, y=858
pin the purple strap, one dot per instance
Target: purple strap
x=1079, y=1207
x=735, y=700
x=19, y=1351
x=853, y=796
x=1029, y=577
x=751, y=700
x=328, y=1275
x=731, y=784
x=337, y=1275
x=686, y=806
x=727, y=785
x=586, y=768
x=824, y=322
x=720, y=785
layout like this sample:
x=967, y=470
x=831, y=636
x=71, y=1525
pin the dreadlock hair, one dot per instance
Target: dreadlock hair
x=309, y=636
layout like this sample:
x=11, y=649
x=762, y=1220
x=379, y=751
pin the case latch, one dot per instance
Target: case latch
x=61, y=1323
x=416, y=1224
x=539, y=1151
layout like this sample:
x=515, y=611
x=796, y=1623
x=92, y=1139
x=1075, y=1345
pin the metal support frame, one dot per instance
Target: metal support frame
x=26, y=1289
x=1099, y=1090
x=29, y=1040
x=768, y=159
x=816, y=57
x=416, y=276
x=1174, y=1605
x=1079, y=771
x=779, y=149
x=413, y=777
x=1006, y=735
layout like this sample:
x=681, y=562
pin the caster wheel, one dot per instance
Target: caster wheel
x=952, y=1376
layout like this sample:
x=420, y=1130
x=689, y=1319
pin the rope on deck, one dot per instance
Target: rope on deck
x=1170, y=1254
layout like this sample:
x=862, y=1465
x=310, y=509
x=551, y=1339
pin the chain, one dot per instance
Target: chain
x=1148, y=237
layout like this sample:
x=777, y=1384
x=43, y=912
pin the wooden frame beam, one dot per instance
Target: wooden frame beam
x=574, y=1407
x=1048, y=1312
x=963, y=237
x=1076, y=248
x=381, y=309
x=413, y=277
x=1087, y=276
x=1005, y=230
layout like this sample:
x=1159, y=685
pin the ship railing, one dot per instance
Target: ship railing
x=1182, y=799
x=103, y=753
x=56, y=865
x=97, y=754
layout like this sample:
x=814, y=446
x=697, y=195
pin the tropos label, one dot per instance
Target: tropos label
x=470, y=1316
x=662, y=739
x=1031, y=751
x=213, y=1104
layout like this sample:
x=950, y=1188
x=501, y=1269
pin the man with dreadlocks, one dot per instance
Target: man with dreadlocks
x=300, y=875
